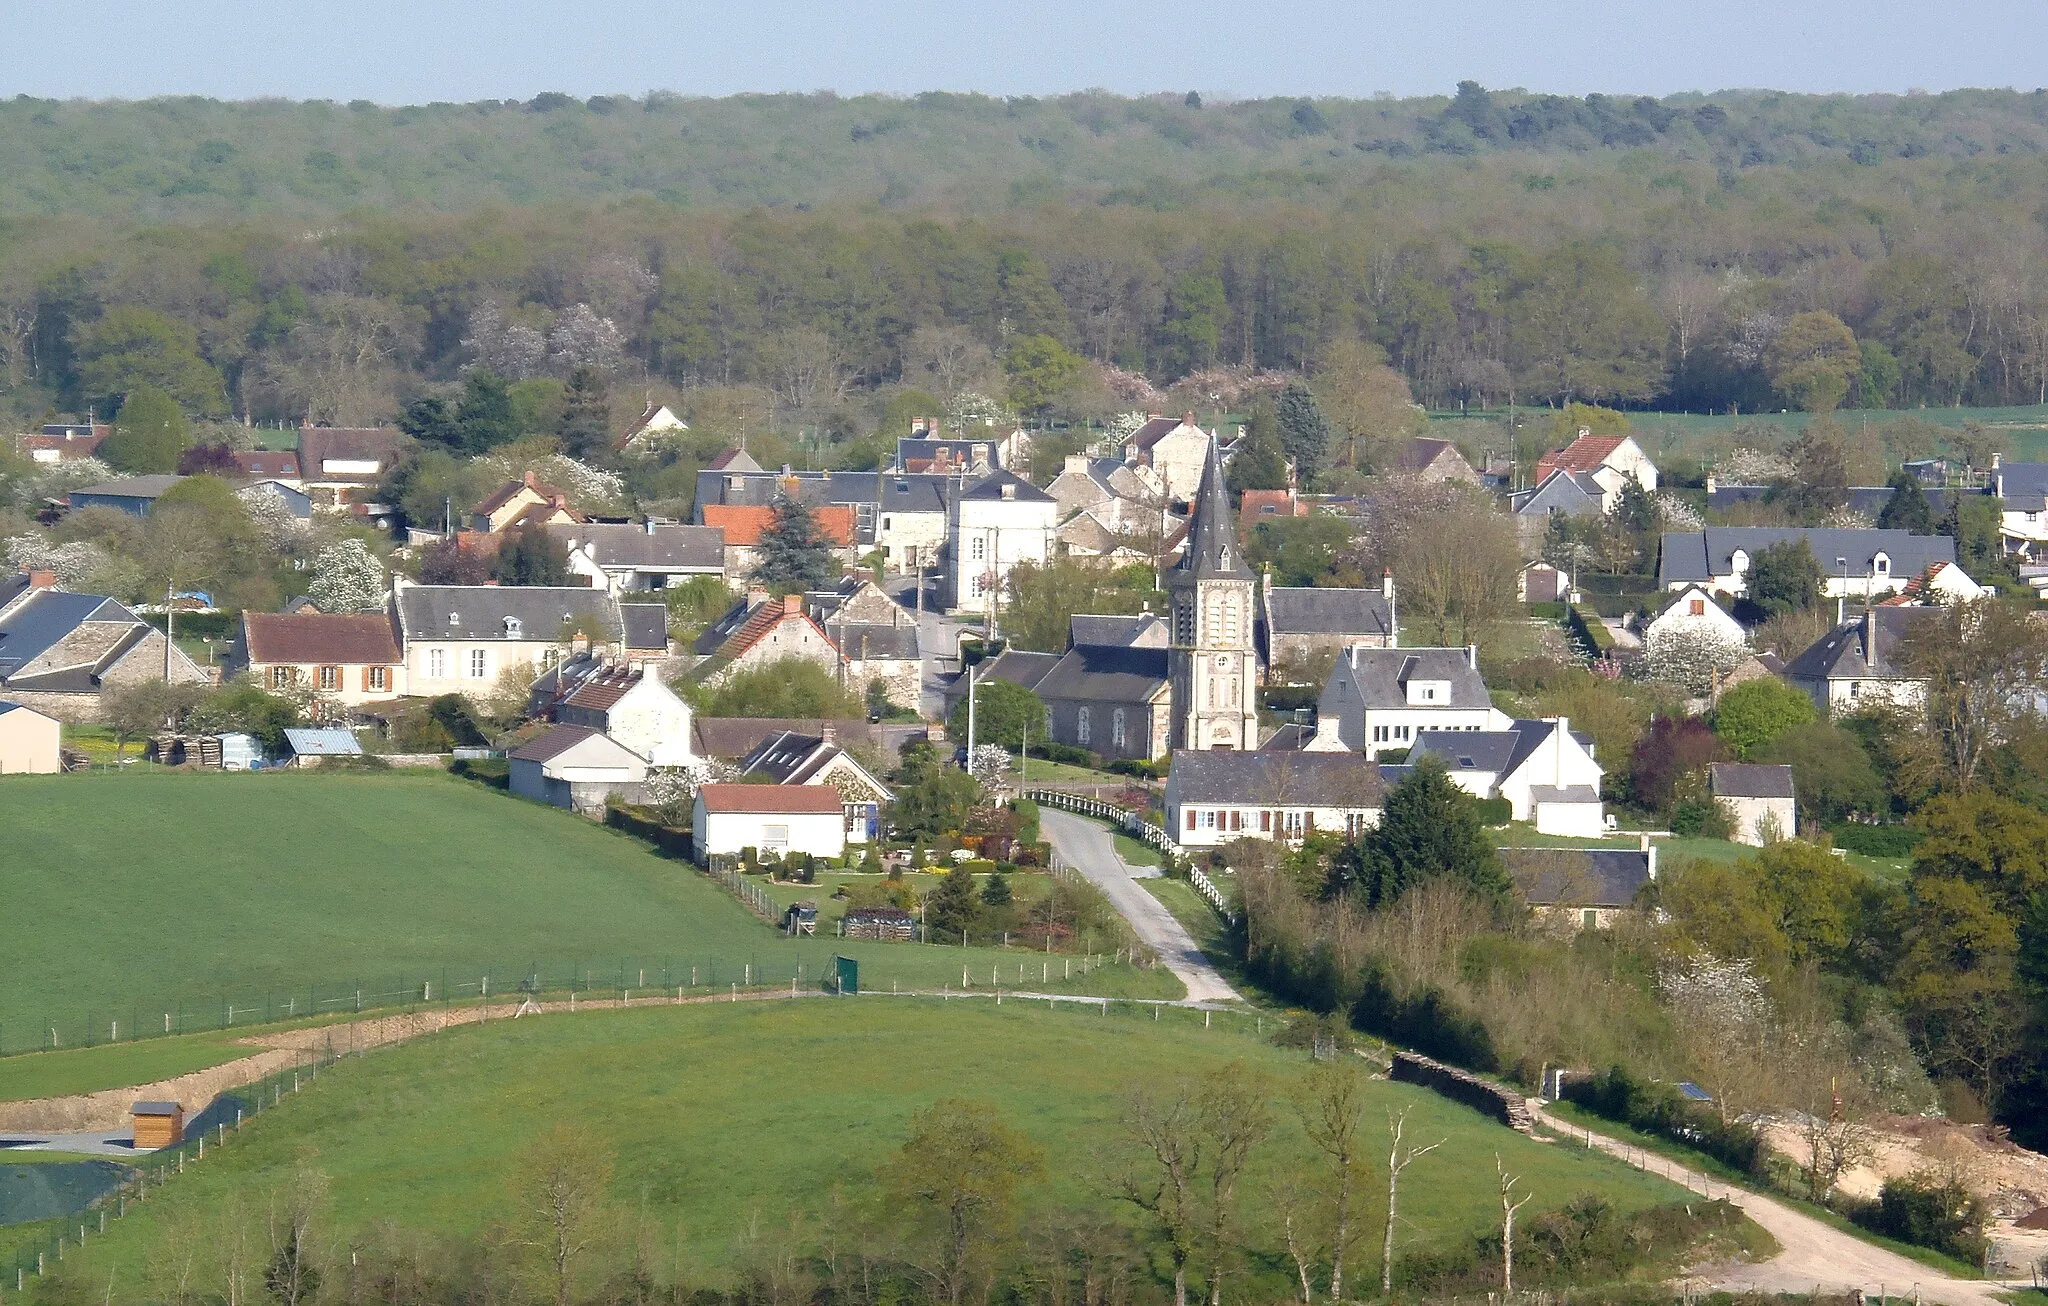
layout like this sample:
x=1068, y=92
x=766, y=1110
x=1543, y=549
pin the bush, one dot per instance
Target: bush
x=493, y=771
x=1137, y=767
x=1877, y=840
x=1700, y=817
x=1554, y=610
x=1927, y=1211
x=1658, y=1109
x=1066, y=754
x=1495, y=811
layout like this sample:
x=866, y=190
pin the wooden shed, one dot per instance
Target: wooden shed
x=158, y=1124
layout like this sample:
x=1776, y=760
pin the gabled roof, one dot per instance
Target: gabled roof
x=1498, y=752
x=1156, y=429
x=735, y=737
x=744, y=627
x=1006, y=485
x=1577, y=877
x=1749, y=780
x=1586, y=454
x=770, y=800
x=45, y=618
x=646, y=625
x=1102, y=674
x=1115, y=631
x=871, y=641
x=1017, y=666
x=635, y=546
x=1422, y=452
x=557, y=740
x=132, y=487
x=542, y=613
x=1298, y=611
x=731, y=460
x=1276, y=779
x=743, y=526
x=1849, y=651
x=260, y=464
x=512, y=489
x=602, y=689
x=1705, y=554
x=320, y=445
x=790, y=758
x=1254, y=504
x=346, y=639
x=2027, y=481
x=1382, y=675
x=1572, y=493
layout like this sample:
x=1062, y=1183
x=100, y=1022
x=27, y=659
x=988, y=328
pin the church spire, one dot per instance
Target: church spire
x=1212, y=546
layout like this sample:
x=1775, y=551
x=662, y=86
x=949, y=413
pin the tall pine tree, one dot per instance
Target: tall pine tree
x=1304, y=431
x=585, y=428
x=1908, y=508
x=1429, y=828
x=795, y=554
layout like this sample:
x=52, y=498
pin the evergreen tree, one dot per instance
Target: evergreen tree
x=585, y=429
x=795, y=554
x=1908, y=508
x=531, y=556
x=952, y=906
x=1785, y=577
x=428, y=420
x=1304, y=431
x=485, y=414
x=1259, y=463
x=149, y=434
x=1428, y=828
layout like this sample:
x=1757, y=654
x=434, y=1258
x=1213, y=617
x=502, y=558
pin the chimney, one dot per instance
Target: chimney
x=792, y=604
x=756, y=596
x=650, y=525
x=526, y=478
x=1077, y=463
x=1387, y=584
x=42, y=580
x=1997, y=460
x=1472, y=656
x=1564, y=732
x=1870, y=636
x=1650, y=856
x=1188, y=418
x=1710, y=485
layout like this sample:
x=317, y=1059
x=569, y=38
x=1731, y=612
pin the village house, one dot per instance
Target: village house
x=929, y=450
x=350, y=659
x=1540, y=582
x=460, y=639
x=1760, y=801
x=1433, y=460
x=1102, y=486
x=792, y=758
x=134, y=495
x=1562, y=493
x=901, y=515
x=655, y=421
x=773, y=820
x=625, y=701
x=2022, y=490
x=576, y=767
x=1216, y=795
x=1255, y=506
x=1855, y=562
x=743, y=527
x=1581, y=888
x=635, y=557
x=876, y=638
x=1174, y=448
x=1857, y=664
x=268, y=465
x=877, y=744
x=759, y=630
x=1302, y=631
x=991, y=527
x=341, y=466
x=1693, y=612
x=1611, y=460
x=1381, y=699
x=60, y=651
x=29, y=741
x=62, y=442
x=1544, y=770
x=518, y=504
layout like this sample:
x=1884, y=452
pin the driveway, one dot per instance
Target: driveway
x=1815, y=1259
x=1087, y=848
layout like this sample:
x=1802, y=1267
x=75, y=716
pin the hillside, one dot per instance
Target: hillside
x=190, y=158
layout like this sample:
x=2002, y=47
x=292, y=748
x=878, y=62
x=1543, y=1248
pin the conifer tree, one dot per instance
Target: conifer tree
x=1304, y=431
x=795, y=553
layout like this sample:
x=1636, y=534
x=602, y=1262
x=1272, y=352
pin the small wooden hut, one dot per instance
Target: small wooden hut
x=158, y=1124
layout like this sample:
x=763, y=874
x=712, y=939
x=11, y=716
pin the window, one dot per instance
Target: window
x=1265, y=822
x=479, y=661
x=1291, y=824
x=775, y=836
x=978, y=549
x=437, y=664
x=376, y=679
x=1209, y=821
x=1223, y=557
x=1698, y=608
x=1191, y=818
x=1589, y=919
x=885, y=523
x=1081, y=726
x=280, y=677
x=329, y=679
x=1116, y=728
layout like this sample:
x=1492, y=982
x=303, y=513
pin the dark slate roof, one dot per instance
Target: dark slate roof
x=995, y=483
x=1577, y=877
x=627, y=544
x=46, y=617
x=1498, y=751
x=1866, y=501
x=1212, y=551
x=1750, y=780
x=1383, y=674
x=552, y=743
x=1294, y=611
x=790, y=758
x=1016, y=666
x=867, y=640
x=479, y=611
x=2023, y=481
x=894, y=491
x=1105, y=674
x=1116, y=631
x=1284, y=779
x=646, y=625
x=1704, y=554
x=1573, y=493
x=1288, y=738
x=131, y=487
x=1845, y=653
x=736, y=737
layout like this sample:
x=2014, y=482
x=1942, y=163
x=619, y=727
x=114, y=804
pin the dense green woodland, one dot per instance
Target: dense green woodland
x=273, y=260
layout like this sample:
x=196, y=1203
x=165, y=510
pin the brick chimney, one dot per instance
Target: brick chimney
x=42, y=580
x=526, y=478
x=792, y=604
x=756, y=596
x=828, y=731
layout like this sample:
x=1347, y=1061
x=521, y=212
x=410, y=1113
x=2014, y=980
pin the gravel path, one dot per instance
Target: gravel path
x=1087, y=848
x=1816, y=1257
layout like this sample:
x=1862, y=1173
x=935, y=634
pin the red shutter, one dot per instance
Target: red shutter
x=1191, y=818
x=1265, y=821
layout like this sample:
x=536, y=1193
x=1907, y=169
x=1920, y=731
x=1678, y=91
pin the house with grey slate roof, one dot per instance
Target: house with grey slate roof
x=1575, y=494
x=2022, y=490
x=1581, y=888
x=1216, y=795
x=1856, y=562
x=1381, y=699
x=1302, y=630
x=1759, y=799
x=60, y=651
x=1858, y=664
x=458, y=639
x=650, y=555
x=1544, y=769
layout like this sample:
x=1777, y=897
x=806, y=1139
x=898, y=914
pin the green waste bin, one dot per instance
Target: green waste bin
x=846, y=975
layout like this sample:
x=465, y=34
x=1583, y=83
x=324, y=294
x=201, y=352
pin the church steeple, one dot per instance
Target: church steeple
x=1212, y=550
x=1214, y=670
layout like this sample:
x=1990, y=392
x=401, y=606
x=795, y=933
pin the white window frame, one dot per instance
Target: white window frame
x=437, y=664
x=1116, y=728
x=1081, y=725
x=479, y=663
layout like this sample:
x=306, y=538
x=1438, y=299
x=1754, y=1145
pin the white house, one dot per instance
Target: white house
x=628, y=556
x=991, y=527
x=1611, y=460
x=458, y=639
x=625, y=702
x=1216, y=795
x=1760, y=800
x=1857, y=665
x=1693, y=612
x=576, y=767
x=1544, y=770
x=1174, y=448
x=29, y=741
x=654, y=421
x=1855, y=562
x=2022, y=490
x=1581, y=888
x=777, y=819
x=791, y=758
x=1381, y=699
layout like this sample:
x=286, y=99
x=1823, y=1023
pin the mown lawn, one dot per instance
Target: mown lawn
x=722, y=1117
x=132, y=898
x=115, y=1065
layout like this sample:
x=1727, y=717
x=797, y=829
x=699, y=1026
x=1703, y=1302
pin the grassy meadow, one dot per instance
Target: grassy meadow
x=132, y=897
x=725, y=1117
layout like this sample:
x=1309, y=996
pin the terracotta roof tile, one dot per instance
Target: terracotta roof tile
x=346, y=639
x=771, y=799
x=743, y=525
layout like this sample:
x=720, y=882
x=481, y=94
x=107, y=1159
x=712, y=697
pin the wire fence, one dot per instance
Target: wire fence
x=800, y=964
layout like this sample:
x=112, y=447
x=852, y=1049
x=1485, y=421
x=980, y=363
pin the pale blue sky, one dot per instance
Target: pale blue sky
x=410, y=51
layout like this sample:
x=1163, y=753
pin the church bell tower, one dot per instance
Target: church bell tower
x=1214, y=670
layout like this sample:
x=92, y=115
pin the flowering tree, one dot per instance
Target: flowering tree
x=671, y=791
x=587, y=487
x=1677, y=514
x=581, y=338
x=970, y=409
x=512, y=350
x=990, y=766
x=1745, y=466
x=71, y=562
x=1691, y=657
x=347, y=577
x=1725, y=1018
x=270, y=515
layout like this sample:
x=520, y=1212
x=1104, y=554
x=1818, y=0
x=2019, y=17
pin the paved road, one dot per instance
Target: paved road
x=939, y=638
x=1087, y=848
x=1816, y=1258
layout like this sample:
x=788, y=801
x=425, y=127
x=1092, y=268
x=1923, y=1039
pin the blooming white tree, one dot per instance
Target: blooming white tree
x=587, y=487
x=510, y=349
x=1691, y=657
x=671, y=791
x=1746, y=466
x=971, y=409
x=71, y=563
x=990, y=765
x=1676, y=513
x=347, y=577
x=270, y=515
x=581, y=338
x=1125, y=425
x=1724, y=1016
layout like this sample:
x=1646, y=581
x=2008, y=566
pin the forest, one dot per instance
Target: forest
x=797, y=262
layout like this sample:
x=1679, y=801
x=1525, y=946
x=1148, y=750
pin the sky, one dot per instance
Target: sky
x=415, y=51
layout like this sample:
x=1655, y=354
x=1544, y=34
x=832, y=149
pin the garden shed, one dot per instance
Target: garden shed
x=158, y=1124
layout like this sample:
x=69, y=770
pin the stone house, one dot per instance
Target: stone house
x=1857, y=664
x=460, y=639
x=578, y=768
x=1760, y=800
x=1581, y=888
x=1216, y=795
x=59, y=652
x=1302, y=631
x=624, y=701
x=347, y=658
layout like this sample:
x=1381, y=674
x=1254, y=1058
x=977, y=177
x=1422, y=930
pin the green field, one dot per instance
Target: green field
x=1669, y=433
x=131, y=898
x=725, y=1117
x=115, y=1065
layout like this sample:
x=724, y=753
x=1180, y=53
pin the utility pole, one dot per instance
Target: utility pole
x=969, y=761
x=170, y=624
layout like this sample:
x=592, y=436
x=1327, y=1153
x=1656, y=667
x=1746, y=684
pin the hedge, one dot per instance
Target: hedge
x=672, y=840
x=1495, y=811
x=493, y=771
x=1927, y=1212
x=1877, y=840
x=1587, y=624
x=1660, y=1109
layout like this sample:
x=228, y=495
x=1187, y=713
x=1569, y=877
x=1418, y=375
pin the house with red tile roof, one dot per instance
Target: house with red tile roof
x=655, y=420
x=521, y=503
x=759, y=630
x=346, y=658
x=1610, y=460
x=771, y=819
x=63, y=442
x=744, y=524
x=341, y=466
x=624, y=700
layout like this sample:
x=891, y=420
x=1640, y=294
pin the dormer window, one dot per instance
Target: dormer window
x=1223, y=558
x=1881, y=565
x=513, y=628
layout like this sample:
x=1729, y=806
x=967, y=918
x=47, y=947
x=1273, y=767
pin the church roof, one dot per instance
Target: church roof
x=1212, y=551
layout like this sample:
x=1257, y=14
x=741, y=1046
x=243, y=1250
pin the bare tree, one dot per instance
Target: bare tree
x=1293, y=1205
x=1397, y=1161
x=1236, y=1118
x=1165, y=1130
x=1332, y=1108
x=562, y=1184
x=1984, y=663
x=1508, y=1207
x=803, y=367
x=292, y=1276
x=947, y=360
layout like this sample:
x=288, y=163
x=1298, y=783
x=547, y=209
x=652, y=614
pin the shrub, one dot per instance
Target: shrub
x=493, y=771
x=1927, y=1211
x=1700, y=817
x=1066, y=754
x=1877, y=840
x=1495, y=811
x=1137, y=767
x=1659, y=1109
x=1554, y=610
